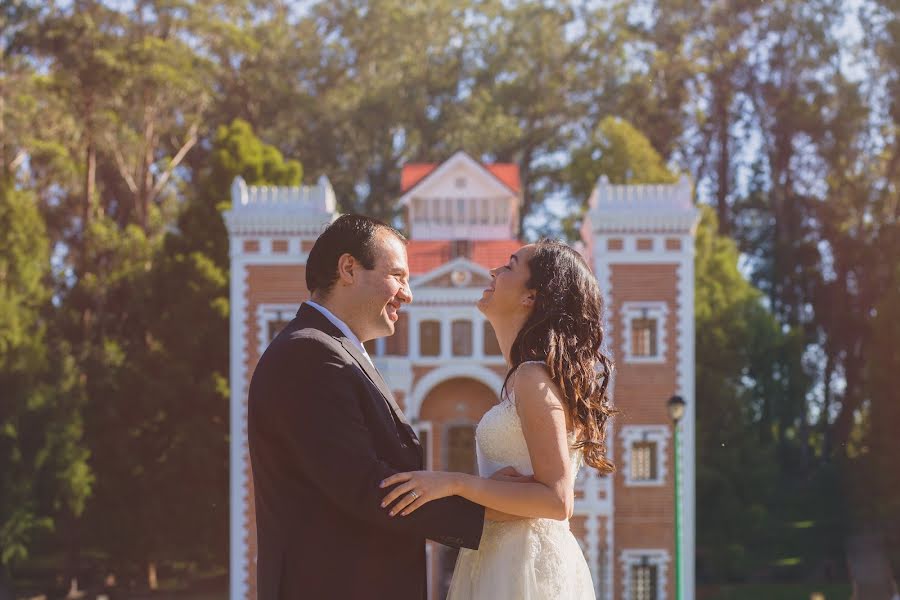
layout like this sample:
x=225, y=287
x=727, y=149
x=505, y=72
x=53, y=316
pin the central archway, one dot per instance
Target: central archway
x=450, y=411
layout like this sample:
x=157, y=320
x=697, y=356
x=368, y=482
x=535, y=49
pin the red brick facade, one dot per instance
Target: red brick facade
x=645, y=274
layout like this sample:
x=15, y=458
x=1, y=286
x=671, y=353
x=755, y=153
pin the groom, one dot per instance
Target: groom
x=324, y=430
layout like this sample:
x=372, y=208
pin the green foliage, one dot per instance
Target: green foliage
x=781, y=591
x=162, y=424
x=43, y=468
x=122, y=131
x=621, y=153
x=736, y=341
x=743, y=467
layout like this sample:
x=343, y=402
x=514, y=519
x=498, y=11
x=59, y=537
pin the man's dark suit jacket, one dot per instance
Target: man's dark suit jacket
x=324, y=430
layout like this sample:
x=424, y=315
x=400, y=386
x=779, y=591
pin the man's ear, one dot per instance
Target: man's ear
x=346, y=267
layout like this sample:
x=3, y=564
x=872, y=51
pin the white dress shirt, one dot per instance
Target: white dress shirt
x=343, y=327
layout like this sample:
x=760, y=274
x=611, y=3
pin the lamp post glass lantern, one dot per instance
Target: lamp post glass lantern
x=676, y=406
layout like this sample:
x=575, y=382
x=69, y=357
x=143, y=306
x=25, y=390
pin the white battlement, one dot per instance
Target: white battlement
x=280, y=209
x=313, y=199
x=649, y=207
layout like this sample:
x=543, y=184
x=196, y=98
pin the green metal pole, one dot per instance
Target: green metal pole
x=679, y=583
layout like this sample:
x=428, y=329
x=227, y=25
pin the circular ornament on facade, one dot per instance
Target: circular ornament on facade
x=460, y=278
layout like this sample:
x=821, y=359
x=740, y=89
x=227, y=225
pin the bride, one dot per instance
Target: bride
x=545, y=307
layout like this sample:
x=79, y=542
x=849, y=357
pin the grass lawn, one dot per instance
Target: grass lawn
x=774, y=591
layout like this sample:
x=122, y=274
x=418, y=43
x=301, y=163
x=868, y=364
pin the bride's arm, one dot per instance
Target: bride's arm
x=550, y=496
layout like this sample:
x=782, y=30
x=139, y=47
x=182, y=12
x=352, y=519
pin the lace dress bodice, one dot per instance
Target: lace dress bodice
x=500, y=441
x=526, y=559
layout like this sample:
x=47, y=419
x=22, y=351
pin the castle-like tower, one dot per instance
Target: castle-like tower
x=444, y=364
x=640, y=240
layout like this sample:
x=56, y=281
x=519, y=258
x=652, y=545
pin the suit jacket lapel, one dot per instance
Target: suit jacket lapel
x=373, y=374
x=322, y=323
x=375, y=377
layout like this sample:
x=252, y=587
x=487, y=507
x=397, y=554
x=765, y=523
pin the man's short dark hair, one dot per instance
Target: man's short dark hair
x=349, y=234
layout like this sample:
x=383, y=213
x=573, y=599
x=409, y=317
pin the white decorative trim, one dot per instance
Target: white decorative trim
x=637, y=208
x=603, y=272
x=239, y=572
x=446, y=297
x=610, y=552
x=445, y=315
x=425, y=426
x=685, y=380
x=464, y=369
x=459, y=263
x=265, y=314
x=459, y=158
x=633, y=557
x=281, y=210
x=653, y=310
x=488, y=210
x=651, y=433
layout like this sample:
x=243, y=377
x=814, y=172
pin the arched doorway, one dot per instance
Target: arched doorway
x=450, y=411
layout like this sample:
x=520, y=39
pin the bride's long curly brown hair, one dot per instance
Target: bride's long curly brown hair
x=565, y=331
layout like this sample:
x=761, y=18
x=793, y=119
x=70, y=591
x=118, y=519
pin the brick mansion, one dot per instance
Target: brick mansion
x=444, y=364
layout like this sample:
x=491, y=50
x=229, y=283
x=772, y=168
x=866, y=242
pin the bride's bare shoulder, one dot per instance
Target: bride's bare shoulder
x=533, y=383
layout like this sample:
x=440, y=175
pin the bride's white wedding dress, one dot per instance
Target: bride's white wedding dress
x=530, y=559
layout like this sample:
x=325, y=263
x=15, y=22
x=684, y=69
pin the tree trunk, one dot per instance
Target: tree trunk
x=152, y=581
x=723, y=168
x=90, y=166
x=89, y=183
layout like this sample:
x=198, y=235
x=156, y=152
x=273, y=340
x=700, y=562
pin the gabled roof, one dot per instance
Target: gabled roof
x=413, y=173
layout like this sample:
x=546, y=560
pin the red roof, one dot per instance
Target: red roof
x=427, y=255
x=508, y=173
x=413, y=173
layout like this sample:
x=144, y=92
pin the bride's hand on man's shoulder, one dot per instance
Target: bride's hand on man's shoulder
x=416, y=488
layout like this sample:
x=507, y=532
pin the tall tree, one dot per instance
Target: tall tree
x=160, y=421
x=43, y=462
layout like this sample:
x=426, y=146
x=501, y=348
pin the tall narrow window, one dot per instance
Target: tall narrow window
x=491, y=345
x=461, y=449
x=398, y=344
x=424, y=436
x=645, y=331
x=644, y=580
x=484, y=211
x=643, y=337
x=462, y=338
x=430, y=338
x=275, y=327
x=643, y=461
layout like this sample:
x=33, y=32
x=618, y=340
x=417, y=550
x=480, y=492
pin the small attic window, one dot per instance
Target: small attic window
x=460, y=182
